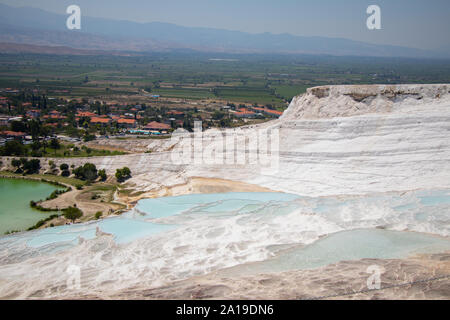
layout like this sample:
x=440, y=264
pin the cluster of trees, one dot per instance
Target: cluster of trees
x=87, y=172
x=37, y=130
x=26, y=166
x=123, y=174
x=13, y=148
x=37, y=148
x=33, y=127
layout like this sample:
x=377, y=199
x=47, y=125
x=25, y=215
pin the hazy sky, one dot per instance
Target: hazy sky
x=413, y=23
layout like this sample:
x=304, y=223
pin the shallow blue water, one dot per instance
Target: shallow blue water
x=141, y=223
x=127, y=230
x=435, y=200
x=234, y=222
x=67, y=233
x=218, y=202
x=349, y=245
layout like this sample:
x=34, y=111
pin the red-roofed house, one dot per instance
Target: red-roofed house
x=13, y=134
x=127, y=123
x=85, y=114
x=54, y=117
x=244, y=113
x=274, y=113
x=157, y=126
x=102, y=121
x=270, y=112
x=52, y=124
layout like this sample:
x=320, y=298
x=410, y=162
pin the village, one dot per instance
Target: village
x=85, y=120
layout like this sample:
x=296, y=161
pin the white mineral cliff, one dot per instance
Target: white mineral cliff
x=332, y=140
x=342, y=140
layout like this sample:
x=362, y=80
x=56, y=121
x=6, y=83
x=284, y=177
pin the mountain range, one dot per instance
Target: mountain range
x=33, y=26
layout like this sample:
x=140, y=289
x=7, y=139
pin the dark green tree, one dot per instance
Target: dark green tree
x=35, y=129
x=72, y=213
x=16, y=163
x=31, y=166
x=102, y=174
x=123, y=174
x=55, y=145
x=87, y=172
x=13, y=148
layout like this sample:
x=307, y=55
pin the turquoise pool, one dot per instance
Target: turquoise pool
x=172, y=238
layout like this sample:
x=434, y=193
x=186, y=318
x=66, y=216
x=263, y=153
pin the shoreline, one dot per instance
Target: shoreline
x=64, y=200
x=48, y=219
x=194, y=185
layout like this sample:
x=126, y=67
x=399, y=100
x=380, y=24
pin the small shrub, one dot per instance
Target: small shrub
x=65, y=173
x=95, y=197
x=123, y=174
x=102, y=174
x=55, y=194
x=72, y=213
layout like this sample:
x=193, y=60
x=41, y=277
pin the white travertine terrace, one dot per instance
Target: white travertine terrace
x=340, y=140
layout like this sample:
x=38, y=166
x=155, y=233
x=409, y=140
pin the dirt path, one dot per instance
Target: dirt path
x=82, y=199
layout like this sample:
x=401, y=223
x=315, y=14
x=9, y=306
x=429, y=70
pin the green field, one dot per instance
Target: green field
x=185, y=93
x=262, y=79
x=290, y=91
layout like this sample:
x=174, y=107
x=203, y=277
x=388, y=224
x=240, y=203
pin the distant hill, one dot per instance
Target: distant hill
x=38, y=27
x=29, y=48
x=74, y=39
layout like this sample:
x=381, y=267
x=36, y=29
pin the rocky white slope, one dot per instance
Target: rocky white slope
x=343, y=140
x=332, y=140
